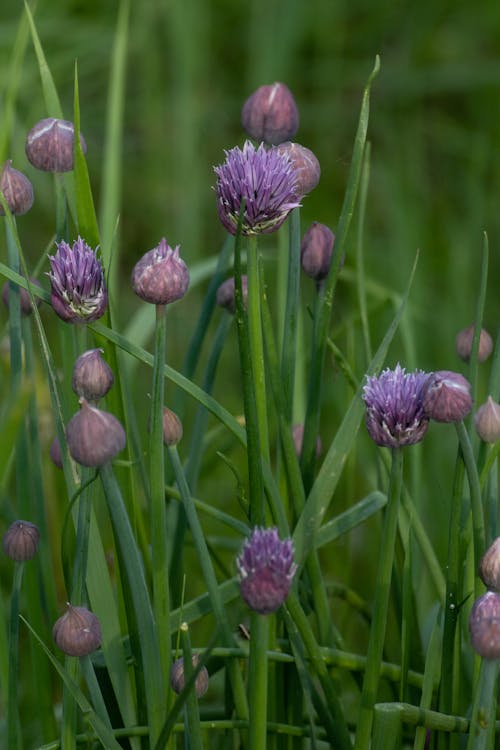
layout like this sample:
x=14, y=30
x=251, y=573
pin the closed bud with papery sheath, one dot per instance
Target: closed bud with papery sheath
x=17, y=190
x=49, y=145
x=484, y=626
x=78, y=289
x=20, y=541
x=225, y=294
x=77, y=632
x=316, y=251
x=92, y=376
x=94, y=436
x=463, y=343
x=266, y=570
x=160, y=276
x=306, y=165
x=178, y=678
x=487, y=421
x=447, y=396
x=489, y=567
x=270, y=114
x=172, y=427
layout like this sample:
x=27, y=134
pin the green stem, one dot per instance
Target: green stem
x=14, y=740
x=482, y=724
x=257, y=349
x=382, y=591
x=258, y=673
x=289, y=344
x=475, y=493
x=192, y=709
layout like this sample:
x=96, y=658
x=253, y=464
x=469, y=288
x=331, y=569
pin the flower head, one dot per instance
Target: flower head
x=265, y=180
x=160, y=276
x=78, y=289
x=394, y=407
x=266, y=570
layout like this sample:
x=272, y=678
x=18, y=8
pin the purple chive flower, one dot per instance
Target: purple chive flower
x=78, y=289
x=266, y=569
x=266, y=180
x=160, y=276
x=394, y=407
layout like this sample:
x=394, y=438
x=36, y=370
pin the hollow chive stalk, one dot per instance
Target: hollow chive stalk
x=191, y=709
x=12, y=695
x=482, y=724
x=381, y=605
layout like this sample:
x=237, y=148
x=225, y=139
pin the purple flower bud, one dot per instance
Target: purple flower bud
x=266, y=570
x=55, y=453
x=77, y=632
x=24, y=297
x=178, y=680
x=92, y=376
x=447, y=396
x=172, y=427
x=487, y=421
x=78, y=289
x=463, y=343
x=270, y=114
x=20, y=541
x=265, y=180
x=489, y=567
x=298, y=438
x=17, y=190
x=160, y=276
x=484, y=626
x=225, y=294
x=49, y=145
x=394, y=407
x=316, y=251
x=94, y=436
x=306, y=166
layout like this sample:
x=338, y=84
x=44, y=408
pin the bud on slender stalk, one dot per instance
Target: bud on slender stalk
x=92, y=376
x=307, y=167
x=160, y=276
x=270, y=114
x=487, y=421
x=316, y=251
x=489, y=567
x=178, y=680
x=94, y=436
x=49, y=145
x=17, y=190
x=463, y=343
x=225, y=294
x=20, y=541
x=77, y=632
x=172, y=427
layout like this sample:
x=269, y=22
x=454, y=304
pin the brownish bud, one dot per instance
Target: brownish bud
x=77, y=632
x=20, y=541
x=306, y=166
x=316, y=251
x=487, y=421
x=270, y=114
x=484, y=626
x=489, y=567
x=55, y=453
x=49, y=145
x=94, y=436
x=177, y=677
x=446, y=396
x=17, y=190
x=92, y=376
x=463, y=344
x=225, y=294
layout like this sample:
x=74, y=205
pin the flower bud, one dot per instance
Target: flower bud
x=225, y=294
x=298, y=437
x=24, y=297
x=270, y=114
x=94, y=436
x=487, y=421
x=306, y=166
x=316, y=251
x=463, y=344
x=161, y=276
x=177, y=677
x=447, y=396
x=20, y=541
x=49, y=145
x=92, y=376
x=484, y=626
x=17, y=190
x=172, y=427
x=55, y=453
x=77, y=632
x=489, y=567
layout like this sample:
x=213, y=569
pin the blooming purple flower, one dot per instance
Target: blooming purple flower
x=78, y=289
x=266, y=569
x=266, y=180
x=394, y=407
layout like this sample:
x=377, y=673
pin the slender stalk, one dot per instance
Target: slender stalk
x=289, y=341
x=192, y=711
x=257, y=686
x=382, y=591
x=14, y=739
x=475, y=493
x=482, y=724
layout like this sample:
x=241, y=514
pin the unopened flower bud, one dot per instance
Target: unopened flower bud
x=49, y=145
x=489, y=567
x=77, y=632
x=270, y=114
x=55, y=453
x=17, y=190
x=94, y=436
x=24, y=296
x=160, y=276
x=226, y=291
x=316, y=251
x=306, y=166
x=487, y=421
x=447, y=396
x=484, y=626
x=298, y=438
x=463, y=343
x=178, y=679
x=266, y=570
x=20, y=541
x=92, y=376
x=172, y=427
